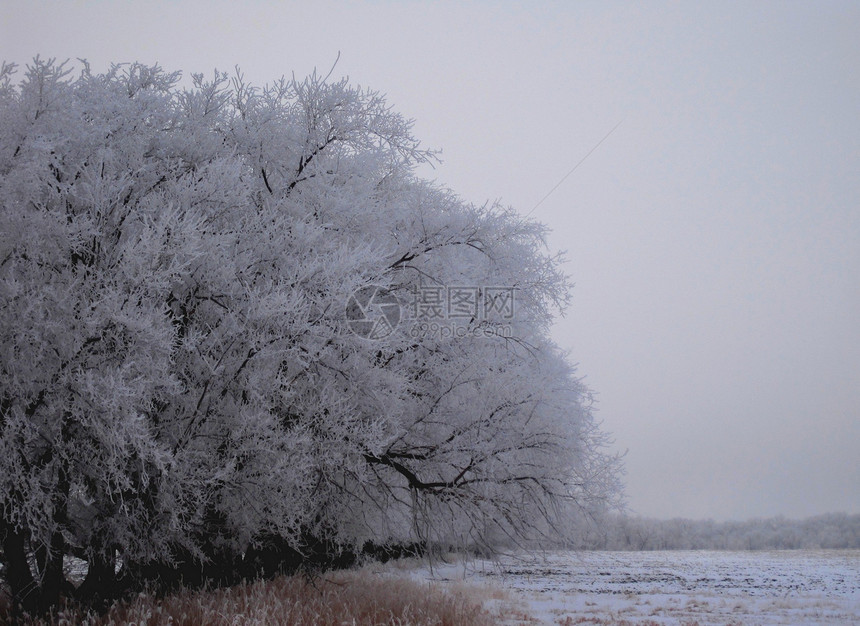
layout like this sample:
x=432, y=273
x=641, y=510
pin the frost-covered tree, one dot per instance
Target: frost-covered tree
x=181, y=383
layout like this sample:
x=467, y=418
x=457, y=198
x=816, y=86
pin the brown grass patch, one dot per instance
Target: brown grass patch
x=338, y=598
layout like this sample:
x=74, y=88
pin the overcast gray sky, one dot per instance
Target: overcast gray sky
x=714, y=237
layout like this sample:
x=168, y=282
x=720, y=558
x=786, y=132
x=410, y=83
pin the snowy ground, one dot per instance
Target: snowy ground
x=785, y=587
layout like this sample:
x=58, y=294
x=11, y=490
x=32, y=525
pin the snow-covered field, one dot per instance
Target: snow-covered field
x=784, y=587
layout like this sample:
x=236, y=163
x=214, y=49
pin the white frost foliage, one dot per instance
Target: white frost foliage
x=177, y=366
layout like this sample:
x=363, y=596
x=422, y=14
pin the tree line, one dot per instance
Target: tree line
x=624, y=532
x=209, y=368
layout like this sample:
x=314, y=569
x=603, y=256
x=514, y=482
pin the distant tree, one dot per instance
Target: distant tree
x=615, y=531
x=180, y=380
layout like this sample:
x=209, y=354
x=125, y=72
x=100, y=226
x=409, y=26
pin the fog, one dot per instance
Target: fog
x=713, y=236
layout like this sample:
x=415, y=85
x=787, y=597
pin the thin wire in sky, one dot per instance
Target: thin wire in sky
x=581, y=161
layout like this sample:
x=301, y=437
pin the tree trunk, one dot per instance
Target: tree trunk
x=100, y=585
x=50, y=560
x=18, y=574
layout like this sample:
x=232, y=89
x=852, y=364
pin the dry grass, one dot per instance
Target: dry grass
x=613, y=621
x=354, y=598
